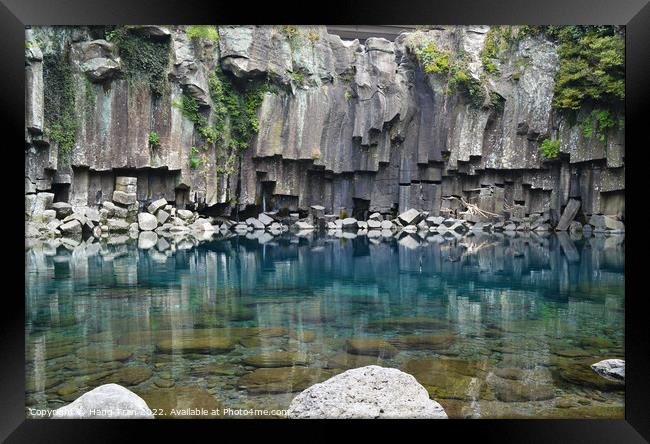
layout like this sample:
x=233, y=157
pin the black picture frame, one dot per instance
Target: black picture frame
x=15, y=14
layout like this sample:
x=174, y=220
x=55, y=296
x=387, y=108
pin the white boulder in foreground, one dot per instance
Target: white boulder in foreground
x=109, y=401
x=367, y=392
x=612, y=369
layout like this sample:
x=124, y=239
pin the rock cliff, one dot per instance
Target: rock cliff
x=354, y=127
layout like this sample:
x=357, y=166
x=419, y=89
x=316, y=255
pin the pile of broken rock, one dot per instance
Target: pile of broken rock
x=48, y=219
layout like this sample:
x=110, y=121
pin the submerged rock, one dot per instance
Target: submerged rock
x=347, y=360
x=104, y=354
x=409, y=323
x=109, y=401
x=424, y=342
x=276, y=359
x=132, y=375
x=450, y=378
x=371, y=347
x=282, y=379
x=195, y=345
x=510, y=390
x=578, y=371
x=368, y=392
x=163, y=383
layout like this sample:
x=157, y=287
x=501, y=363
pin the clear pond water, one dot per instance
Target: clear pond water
x=494, y=326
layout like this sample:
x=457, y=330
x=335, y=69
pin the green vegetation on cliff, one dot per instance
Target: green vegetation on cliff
x=190, y=109
x=598, y=123
x=154, y=140
x=448, y=65
x=592, y=65
x=61, y=121
x=433, y=60
x=203, y=32
x=233, y=119
x=550, y=148
x=293, y=36
x=498, y=41
x=235, y=110
x=145, y=61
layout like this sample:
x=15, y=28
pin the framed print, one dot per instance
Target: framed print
x=280, y=223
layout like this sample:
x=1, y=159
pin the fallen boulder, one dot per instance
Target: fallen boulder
x=612, y=369
x=411, y=217
x=349, y=223
x=255, y=223
x=110, y=401
x=63, y=209
x=147, y=221
x=265, y=219
x=156, y=205
x=71, y=227
x=568, y=214
x=366, y=393
x=303, y=225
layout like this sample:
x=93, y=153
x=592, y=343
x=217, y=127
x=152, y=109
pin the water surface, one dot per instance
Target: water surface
x=492, y=325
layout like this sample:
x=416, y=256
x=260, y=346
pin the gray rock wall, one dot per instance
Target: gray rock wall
x=352, y=126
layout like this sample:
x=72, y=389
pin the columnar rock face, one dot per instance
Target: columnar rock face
x=352, y=127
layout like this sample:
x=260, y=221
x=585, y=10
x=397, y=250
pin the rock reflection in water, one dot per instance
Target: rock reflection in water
x=492, y=325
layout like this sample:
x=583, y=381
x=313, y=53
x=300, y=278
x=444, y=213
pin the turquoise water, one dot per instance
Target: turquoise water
x=491, y=325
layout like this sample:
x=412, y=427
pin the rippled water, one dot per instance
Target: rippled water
x=491, y=325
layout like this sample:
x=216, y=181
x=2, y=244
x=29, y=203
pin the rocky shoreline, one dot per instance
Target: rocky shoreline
x=369, y=392
x=121, y=216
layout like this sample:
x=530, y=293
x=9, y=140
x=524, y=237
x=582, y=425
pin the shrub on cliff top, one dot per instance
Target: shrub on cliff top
x=433, y=61
x=453, y=67
x=592, y=68
x=203, y=32
x=592, y=65
x=497, y=41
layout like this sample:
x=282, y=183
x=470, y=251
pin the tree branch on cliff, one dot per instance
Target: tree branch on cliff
x=471, y=208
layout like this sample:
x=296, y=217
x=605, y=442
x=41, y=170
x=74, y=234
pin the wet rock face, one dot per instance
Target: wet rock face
x=351, y=126
x=366, y=393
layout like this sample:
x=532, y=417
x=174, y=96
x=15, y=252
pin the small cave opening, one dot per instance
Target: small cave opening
x=360, y=208
x=267, y=201
x=182, y=196
x=61, y=192
x=223, y=209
